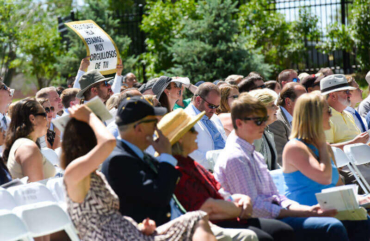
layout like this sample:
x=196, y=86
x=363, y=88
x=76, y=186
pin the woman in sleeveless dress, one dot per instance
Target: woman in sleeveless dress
x=93, y=205
x=308, y=161
x=22, y=151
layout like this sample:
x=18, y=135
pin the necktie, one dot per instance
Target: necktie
x=148, y=159
x=4, y=121
x=360, y=119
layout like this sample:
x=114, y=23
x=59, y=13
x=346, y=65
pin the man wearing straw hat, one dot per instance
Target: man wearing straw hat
x=343, y=129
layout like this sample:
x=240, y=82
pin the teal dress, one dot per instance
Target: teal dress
x=302, y=189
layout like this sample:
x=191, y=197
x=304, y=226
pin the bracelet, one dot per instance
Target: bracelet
x=230, y=199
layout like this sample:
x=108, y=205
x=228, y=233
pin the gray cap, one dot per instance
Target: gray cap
x=161, y=85
x=148, y=85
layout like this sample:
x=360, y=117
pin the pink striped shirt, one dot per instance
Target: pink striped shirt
x=242, y=170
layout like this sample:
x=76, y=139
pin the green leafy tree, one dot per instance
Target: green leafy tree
x=209, y=47
x=162, y=25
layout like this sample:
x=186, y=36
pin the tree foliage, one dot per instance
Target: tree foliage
x=209, y=46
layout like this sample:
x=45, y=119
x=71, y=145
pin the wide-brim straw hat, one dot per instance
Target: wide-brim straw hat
x=175, y=124
x=89, y=79
x=334, y=83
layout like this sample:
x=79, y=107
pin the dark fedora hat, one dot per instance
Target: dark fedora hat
x=89, y=79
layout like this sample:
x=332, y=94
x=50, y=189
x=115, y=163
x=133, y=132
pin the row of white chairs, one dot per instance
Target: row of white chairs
x=353, y=156
x=34, y=210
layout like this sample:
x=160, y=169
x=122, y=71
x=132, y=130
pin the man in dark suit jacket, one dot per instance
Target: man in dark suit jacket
x=144, y=185
x=282, y=126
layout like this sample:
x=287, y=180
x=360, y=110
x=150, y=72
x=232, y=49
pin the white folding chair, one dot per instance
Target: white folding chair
x=12, y=227
x=46, y=218
x=31, y=193
x=7, y=201
x=278, y=178
x=51, y=156
x=56, y=186
x=359, y=154
x=212, y=157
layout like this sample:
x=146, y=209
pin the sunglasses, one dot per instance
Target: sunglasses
x=146, y=121
x=211, y=106
x=234, y=96
x=106, y=83
x=49, y=109
x=178, y=84
x=346, y=92
x=257, y=120
x=296, y=80
x=41, y=114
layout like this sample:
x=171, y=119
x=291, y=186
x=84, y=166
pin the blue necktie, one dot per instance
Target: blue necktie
x=360, y=119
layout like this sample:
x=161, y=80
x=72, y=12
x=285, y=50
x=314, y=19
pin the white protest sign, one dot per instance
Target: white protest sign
x=99, y=45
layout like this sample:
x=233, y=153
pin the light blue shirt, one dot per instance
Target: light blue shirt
x=164, y=157
x=218, y=141
x=288, y=116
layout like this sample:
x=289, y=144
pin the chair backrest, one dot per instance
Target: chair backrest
x=278, y=178
x=6, y=200
x=340, y=157
x=31, y=193
x=12, y=227
x=358, y=153
x=56, y=186
x=51, y=156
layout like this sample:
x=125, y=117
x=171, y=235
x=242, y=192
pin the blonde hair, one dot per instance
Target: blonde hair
x=224, y=105
x=266, y=96
x=307, y=121
x=113, y=101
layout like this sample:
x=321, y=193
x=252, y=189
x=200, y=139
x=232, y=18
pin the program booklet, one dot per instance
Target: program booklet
x=344, y=200
x=96, y=105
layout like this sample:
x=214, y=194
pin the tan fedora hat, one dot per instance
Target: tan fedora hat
x=175, y=124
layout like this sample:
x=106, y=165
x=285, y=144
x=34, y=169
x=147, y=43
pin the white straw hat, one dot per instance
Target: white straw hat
x=334, y=83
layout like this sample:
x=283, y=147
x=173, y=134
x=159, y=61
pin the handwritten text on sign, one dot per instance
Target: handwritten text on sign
x=99, y=46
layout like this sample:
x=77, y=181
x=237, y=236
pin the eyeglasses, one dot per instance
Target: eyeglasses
x=146, y=121
x=257, y=120
x=49, y=109
x=106, y=83
x=40, y=114
x=296, y=80
x=211, y=106
x=347, y=92
x=234, y=96
x=178, y=84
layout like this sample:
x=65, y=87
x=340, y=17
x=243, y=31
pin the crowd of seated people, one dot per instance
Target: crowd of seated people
x=145, y=174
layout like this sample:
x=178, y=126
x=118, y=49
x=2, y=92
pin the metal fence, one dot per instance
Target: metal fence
x=328, y=12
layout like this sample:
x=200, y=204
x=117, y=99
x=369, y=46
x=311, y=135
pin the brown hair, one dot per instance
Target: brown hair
x=245, y=106
x=68, y=95
x=287, y=92
x=233, y=79
x=271, y=84
x=285, y=75
x=206, y=88
x=224, y=105
x=20, y=126
x=247, y=84
x=44, y=92
x=78, y=139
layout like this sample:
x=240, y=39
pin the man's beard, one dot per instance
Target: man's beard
x=344, y=101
